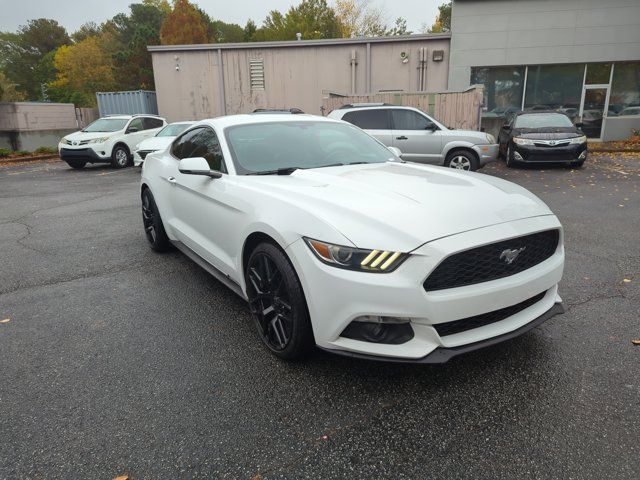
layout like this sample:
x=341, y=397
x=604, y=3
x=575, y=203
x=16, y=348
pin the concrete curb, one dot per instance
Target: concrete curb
x=9, y=161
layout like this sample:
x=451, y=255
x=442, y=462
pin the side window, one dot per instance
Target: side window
x=369, y=118
x=136, y=123
x=408, y=120
x=184, y=145
x=208, y=146
x=150, y=123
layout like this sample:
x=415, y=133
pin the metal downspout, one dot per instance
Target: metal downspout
x=223, y=98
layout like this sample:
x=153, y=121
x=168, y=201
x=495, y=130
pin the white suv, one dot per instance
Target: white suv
x=109, y=139
x=419, y=137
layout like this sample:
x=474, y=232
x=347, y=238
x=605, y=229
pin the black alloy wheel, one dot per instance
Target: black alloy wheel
x=153, y=228
x=277, y=303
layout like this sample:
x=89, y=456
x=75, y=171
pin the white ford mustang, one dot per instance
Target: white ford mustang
x=335, y=241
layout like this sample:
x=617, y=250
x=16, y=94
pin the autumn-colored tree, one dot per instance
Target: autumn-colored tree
x=359, y=19
x=184, y=25
x=311, y=18
x=8, y=92
x=84, y=68
x=443, y=20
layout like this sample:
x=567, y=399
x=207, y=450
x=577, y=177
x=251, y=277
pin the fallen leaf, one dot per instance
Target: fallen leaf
x=626, y=280
x=636, y=342
x=122, y=477
x=6, y=320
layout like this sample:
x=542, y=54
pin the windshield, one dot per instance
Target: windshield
x=543, y=120
x=267, y=147
x=106, y=125
x=173, y=130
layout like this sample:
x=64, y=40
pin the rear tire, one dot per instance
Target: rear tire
x=152, y=222
x=120, y=157
x=77, y=165
x=277, y=303
x=462, y=160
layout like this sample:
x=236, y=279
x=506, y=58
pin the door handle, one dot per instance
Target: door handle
x=172, y=180
x=402, y=138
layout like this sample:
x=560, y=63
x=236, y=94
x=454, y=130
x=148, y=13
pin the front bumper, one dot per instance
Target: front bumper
x=551, y=154
x=139, y=156
x=84, y=153
x=486, y=153
x=335, y=297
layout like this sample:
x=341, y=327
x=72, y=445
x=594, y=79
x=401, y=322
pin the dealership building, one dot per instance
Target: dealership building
x=581, y=57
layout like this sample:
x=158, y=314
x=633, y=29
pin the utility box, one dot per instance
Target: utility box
x=127, y=103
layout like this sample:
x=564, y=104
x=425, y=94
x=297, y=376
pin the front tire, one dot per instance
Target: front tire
x=152, y=222
x=77, y=165
x=508, y=159
x=277, y=303
x=577, y=164
x=462, y=160
x=120, y=157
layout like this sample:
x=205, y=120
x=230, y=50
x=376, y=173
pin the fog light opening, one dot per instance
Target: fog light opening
x=379, y=329
x=583, y=155
x=517, y=156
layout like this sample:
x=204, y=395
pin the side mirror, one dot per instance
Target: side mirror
x=431, y=126
x=132, y=129
x=396, y=151
x=197, y=166
x=579, y=124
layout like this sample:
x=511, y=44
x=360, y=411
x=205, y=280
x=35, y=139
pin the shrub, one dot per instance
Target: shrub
x=4, y=152
x=22, y=153
x=46, y=150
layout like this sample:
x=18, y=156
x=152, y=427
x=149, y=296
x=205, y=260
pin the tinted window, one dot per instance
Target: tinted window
x=183, y=146
x=302, y=144
x=150, y=123
x=408, y=120
x=370, y=118
x=136, y=123
x=207, y=145
x=542, y=120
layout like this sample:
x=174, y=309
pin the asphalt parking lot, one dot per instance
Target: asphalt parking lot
x=119, y=361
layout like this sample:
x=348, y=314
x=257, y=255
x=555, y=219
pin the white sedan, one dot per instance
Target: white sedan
x=159, y=141
x=335, y=241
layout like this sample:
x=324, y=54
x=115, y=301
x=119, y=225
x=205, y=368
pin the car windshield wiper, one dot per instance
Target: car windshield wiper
x=279, y=171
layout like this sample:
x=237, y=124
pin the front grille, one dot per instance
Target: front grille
x=143, y=153
x=489, y=262
x=457, y=326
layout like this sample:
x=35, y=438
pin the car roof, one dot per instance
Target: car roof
x=247, y=119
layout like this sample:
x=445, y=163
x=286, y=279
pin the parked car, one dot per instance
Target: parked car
x=630, y=111
x=335, y=241
x=421, y=138
x=109, y=139
x=159, y=141
x=537, y=137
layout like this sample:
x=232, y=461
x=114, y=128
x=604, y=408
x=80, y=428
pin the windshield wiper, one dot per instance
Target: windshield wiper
x=279, y=171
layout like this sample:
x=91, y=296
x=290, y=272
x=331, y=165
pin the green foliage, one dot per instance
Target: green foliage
x=8, y=92
x=5, y=152
x=46, y=150
x=249, y=30
x=22, y=52
x=443, y=20
x=312, y=18
x=399, y=28
x=86, y=30
x=22, y=153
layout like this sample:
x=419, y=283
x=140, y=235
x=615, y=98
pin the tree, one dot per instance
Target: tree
x=399, y=28
x=22, y=52
x=184, y=25
x=83, y=69
x=86, y=30
x=311, y=18
x=249, y=30
x=359, y=19
x=443, y=20
x=8, y=92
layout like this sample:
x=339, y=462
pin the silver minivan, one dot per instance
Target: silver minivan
x=419, y=137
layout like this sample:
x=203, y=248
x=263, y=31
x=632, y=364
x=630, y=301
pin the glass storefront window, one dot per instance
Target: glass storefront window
x=554, y=87
x=598, y=73
x=625, y=89
x=502, y=89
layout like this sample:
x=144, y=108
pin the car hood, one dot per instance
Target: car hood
x=80, y=135
x=154, y=143
x=547, y=133
x=399, y=207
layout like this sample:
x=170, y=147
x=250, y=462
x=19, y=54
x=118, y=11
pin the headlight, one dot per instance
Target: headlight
x=578, y=140
x=374, y=261
x=65, y=141
x=491, y=139
x=522, y=141
x=98, y=140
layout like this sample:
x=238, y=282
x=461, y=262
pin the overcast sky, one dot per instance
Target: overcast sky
x=73, y=13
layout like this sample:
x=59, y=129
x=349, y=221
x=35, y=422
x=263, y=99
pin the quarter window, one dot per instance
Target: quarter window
x=408, y=120
x=369, y=119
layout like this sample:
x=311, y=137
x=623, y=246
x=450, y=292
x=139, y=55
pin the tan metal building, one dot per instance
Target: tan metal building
x=203, y=81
